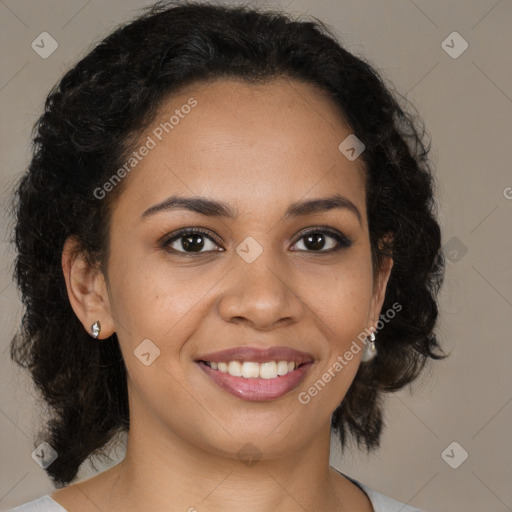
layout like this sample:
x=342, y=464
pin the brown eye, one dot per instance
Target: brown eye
x=191, y=240
x=316, y=240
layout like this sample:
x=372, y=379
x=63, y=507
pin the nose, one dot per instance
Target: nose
x=260, y=294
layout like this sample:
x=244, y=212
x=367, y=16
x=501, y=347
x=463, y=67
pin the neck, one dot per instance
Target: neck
x=161, y=468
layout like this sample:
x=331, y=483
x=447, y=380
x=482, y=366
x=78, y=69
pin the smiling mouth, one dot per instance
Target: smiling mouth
x=257, y=382
x=254, y=370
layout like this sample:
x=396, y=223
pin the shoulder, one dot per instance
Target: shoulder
x=382, y=502
x=44, y=504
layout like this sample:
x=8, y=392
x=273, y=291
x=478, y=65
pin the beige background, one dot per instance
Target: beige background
x=467, y=105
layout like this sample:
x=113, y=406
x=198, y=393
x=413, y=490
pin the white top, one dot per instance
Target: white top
x=380, y=502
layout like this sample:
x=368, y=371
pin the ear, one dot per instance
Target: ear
x=379, y=286
x=87, y=289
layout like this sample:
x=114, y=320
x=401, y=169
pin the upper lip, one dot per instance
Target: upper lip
x=258, y=355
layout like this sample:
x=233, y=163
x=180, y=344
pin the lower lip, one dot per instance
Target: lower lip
x=257, y=390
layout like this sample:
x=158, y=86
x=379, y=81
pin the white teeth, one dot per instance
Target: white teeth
x=268, y=370
x=251, y=370
x=282, y=367
x=235, y=368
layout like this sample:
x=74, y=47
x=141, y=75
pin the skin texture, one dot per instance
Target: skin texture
x=258, y=148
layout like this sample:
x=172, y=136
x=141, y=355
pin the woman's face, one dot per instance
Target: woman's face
x=253, y=280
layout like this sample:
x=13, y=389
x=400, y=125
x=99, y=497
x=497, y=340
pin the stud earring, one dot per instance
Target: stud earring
x=95, y=329
x=370, y=349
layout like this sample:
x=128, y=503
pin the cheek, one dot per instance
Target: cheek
x=342, y=315
x=343, y=304
x=163, y=304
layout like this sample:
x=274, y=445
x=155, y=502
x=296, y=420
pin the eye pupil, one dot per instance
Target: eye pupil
x=193, y=241
x=188, y=242
x=315, y=241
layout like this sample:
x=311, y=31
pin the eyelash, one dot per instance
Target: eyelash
x=343, y=241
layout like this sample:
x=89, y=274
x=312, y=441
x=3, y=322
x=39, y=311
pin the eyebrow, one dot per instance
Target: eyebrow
x=213, y=208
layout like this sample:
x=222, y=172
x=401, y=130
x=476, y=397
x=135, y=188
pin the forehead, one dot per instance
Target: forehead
x=241, y=143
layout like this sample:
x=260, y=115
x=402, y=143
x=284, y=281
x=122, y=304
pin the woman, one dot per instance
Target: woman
x=227, y=248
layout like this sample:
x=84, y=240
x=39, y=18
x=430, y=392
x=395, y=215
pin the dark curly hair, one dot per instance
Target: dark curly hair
x=90, y=122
